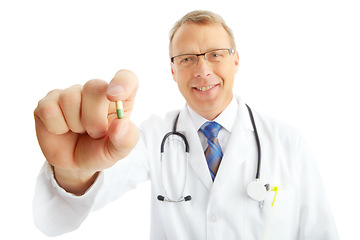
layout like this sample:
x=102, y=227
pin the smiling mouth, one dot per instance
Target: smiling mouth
x=203, y=89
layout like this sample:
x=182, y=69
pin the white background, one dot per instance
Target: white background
x=299, y=62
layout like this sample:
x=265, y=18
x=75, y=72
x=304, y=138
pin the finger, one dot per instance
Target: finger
x=70, y=104
x=94, y=108
x=57, y=148
x=49, y=112
x=123, y=87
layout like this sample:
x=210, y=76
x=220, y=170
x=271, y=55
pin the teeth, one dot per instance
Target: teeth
x=205, y=88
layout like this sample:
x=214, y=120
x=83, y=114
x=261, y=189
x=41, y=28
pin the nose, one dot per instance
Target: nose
x=201, y=68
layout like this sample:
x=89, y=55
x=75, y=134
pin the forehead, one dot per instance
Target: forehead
x=197, y=38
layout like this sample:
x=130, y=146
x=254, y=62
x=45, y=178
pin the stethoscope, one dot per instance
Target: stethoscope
x=256, y=190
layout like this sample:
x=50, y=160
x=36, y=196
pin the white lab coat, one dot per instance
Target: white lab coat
x=218, y=210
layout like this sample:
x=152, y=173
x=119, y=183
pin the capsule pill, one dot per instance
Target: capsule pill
x=119, y=109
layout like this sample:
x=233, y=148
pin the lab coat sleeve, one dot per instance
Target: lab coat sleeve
x=57, y=211
x=316, y=220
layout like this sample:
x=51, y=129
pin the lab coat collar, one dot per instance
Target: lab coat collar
x=238, y=145
x=226, y=119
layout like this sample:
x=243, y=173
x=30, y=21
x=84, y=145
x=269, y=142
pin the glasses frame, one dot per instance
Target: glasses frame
x=231, y=51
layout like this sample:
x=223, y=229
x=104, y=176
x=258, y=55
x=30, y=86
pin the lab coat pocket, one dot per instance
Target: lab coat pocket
x=279, y=213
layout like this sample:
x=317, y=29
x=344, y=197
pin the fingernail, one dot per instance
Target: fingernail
x=115, y=90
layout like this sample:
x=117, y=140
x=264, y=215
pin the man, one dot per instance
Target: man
x=208, y=197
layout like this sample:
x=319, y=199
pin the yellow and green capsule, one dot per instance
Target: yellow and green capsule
x=119, y=109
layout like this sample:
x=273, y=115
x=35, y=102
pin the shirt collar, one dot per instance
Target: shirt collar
x=226, y=119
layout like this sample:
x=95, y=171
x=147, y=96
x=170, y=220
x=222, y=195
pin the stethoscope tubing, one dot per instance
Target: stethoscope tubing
x=182, y=136
x=182, y=198
x=258, y=170
x=162, y=148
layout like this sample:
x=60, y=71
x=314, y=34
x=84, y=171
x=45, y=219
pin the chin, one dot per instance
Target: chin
x=206, y=108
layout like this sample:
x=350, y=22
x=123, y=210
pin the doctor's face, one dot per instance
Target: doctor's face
x=206, y=84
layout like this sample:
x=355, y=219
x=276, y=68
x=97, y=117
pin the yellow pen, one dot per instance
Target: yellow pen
x=275, y=189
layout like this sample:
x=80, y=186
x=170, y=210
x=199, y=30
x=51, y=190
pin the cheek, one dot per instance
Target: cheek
x=226, y=74
x=182, y=85
x=181, y=78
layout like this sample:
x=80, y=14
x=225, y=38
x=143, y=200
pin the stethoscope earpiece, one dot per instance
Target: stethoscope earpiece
x=162, y=199
x=187, y=198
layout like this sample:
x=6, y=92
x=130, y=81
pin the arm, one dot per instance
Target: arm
x=80, y=136
x=57, y=211
x=316, y=220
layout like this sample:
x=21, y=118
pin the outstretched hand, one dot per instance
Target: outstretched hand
x=79, y=132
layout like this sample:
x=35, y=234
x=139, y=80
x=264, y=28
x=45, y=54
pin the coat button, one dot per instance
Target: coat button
x=213, y=218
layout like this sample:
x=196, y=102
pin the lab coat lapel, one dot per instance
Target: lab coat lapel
x=197, y=159
x=240, y=147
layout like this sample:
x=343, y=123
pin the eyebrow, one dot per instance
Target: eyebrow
x=192, y=52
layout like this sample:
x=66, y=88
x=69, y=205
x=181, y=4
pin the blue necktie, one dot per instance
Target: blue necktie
x=213, y=153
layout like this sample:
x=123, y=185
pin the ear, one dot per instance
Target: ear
x=236, y=61
x=173, y=71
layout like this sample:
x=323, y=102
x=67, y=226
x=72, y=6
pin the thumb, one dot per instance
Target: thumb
x=123, y=136
x=123, y=87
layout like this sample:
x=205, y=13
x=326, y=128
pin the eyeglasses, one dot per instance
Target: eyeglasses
x=212, y=56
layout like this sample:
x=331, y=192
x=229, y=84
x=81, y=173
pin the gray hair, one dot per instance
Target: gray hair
x=201, y=17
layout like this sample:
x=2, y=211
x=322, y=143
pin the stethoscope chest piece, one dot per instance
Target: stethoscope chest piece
x=257, y=190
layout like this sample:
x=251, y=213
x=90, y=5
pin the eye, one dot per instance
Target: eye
x=187, y=59
x=216, y=56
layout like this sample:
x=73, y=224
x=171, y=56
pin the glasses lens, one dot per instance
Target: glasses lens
x=185, y=60
x=189, y=60
x=216, y=55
